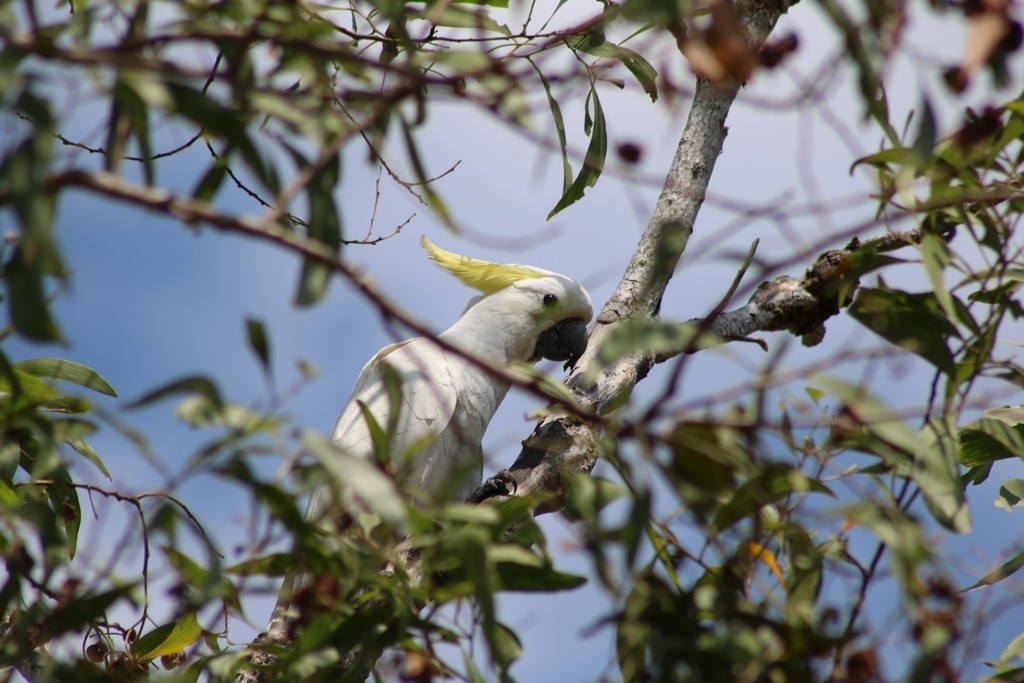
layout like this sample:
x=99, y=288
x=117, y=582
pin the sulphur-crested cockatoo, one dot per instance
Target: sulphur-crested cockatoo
x=447, y=400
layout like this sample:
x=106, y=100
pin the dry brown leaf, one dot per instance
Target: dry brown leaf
x=989, y=26
x=721, y=51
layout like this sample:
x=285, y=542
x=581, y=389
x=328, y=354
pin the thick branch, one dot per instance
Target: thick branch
x=802, y=305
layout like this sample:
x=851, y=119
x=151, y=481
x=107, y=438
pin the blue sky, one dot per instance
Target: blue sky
x=151, y=300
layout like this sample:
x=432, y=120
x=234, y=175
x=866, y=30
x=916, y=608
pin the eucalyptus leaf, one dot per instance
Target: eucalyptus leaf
x=274, y=564
x=1007, y=568
x=324, y=226
x=67, y=371
x=987, y=440
x=593, y=162
x=259, y=342
x=935, y=472
x=196, y=384
x=525, y=578
x=776, y=482
x=556, y=117
x=168, y=639
x=645, y=74
x=914, y=322
x=362, y=477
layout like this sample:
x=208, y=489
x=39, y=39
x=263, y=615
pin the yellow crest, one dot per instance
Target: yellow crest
x=483, y=276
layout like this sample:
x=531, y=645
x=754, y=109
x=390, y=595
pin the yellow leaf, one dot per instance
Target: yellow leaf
x=759, y=552
x=168, y=639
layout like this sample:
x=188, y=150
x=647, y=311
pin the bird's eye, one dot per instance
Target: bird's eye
x=550, y=300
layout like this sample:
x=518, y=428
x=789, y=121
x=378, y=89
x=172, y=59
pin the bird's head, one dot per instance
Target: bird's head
x=556, y=307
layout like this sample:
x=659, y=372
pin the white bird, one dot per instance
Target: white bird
x=444, y=400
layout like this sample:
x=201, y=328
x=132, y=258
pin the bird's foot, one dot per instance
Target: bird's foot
x=501, y=484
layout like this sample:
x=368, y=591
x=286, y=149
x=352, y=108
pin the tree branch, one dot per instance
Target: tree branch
x=192, y=211
x=802, y=305
x=567, y=444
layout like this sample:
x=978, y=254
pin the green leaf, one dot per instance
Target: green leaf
x=644, y=621
x=208, y=186
x=466, y=549
x=447, y=14
x=637, y=526
x=24, y=391
x=8, y=380
x=593, y=163
x=29, y=307
x=646, y=75
x=500, y=4
x=1011, y=415
x=324, y=226
x=556, y=116
x=859, y=46
x=924, y=142
x=67, y=371
x=935, y=472
x=775, y=483
x=259, y=342
x=275, y=564
x=1014, y=651
x=425, y=184
x=362, y=477
x=168, y=639
x=900, y=156
x=586, y=496
x=657, y=13
x=935, y=256
x=202, y=577
x=199, y=411
x=914, y=322
x=11, y=76
x=525, y=372
x=23, y=178
x=10, y=456
x=66, y=505
x=1010, y=494
x=705, y=460
x=1005, y=569
x=988, y=440
x=393, y=385
x=640, y=335
x=282, y=505
x=89, y=453
x=815, y=394
x=903, y=536
x=928, y=458
x=472, y=670
x=226, y=124
x=1006, y=675
x=505, y=645
x=380, y=439
x=83, y=610
x=525, y=578
x=803, y=583
x=129, y=116
x=195, y=384
x=73, y=432
x=205, y=579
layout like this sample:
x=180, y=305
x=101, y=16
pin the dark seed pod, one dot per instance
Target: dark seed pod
x=96, y=652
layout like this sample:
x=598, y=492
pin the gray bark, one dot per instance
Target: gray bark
x=568, y=444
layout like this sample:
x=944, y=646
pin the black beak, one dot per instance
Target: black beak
x=566, y=341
